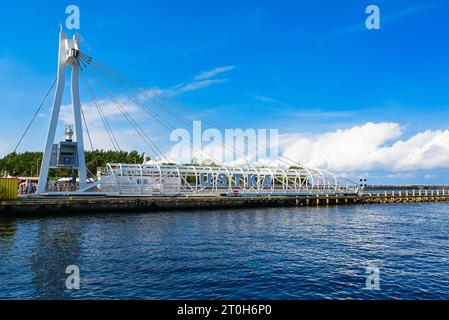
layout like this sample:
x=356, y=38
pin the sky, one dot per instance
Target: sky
x=359, y=102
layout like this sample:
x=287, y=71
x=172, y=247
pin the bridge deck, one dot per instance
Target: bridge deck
x=89, y=205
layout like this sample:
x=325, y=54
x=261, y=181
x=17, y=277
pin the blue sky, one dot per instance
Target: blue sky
x=306, y=68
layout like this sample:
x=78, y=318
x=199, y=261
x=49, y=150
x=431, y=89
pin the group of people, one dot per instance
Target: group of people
x=26, y=187
x=62, y=186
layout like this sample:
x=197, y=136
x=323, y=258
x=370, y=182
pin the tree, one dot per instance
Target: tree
x=29, y=163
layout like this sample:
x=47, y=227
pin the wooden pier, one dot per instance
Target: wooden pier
x=91, y=205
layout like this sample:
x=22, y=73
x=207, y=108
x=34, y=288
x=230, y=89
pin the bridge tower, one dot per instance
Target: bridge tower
x=66, y=154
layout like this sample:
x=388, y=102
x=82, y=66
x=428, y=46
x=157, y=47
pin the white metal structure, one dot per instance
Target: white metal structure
x=68, y=51
x=155, y=179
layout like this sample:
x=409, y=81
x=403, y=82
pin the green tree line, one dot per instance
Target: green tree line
x=28, y=163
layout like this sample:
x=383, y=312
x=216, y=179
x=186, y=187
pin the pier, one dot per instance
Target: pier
x=36, y=207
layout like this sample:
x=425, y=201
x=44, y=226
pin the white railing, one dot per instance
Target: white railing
x=179, y=180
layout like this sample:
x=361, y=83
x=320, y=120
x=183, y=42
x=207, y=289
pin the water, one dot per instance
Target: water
x=292, y=253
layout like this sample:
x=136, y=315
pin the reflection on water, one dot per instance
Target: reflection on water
x=8, y=229
x=282, y=253
x=58, y=247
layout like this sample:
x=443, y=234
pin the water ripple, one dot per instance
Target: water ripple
x=305, y=253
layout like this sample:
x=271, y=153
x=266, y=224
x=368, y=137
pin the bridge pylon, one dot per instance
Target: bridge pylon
x=66, y=154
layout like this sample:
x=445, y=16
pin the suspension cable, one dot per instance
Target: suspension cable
x=153, y=114
x=158, y=118
x=35, y=116
x=153, y=91
x=140, y=104
x=123, y=78
x=141, y=92
x=87, y=128
x=108, y=128
x=130, y=119
x=187, y=122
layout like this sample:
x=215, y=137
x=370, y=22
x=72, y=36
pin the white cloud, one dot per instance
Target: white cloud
x=366, y=148
x=110, y=111
x=212, y=73
x=200, y=85
x=126, y=136
x=267, y=99
x=362, y=151
x=201, y=81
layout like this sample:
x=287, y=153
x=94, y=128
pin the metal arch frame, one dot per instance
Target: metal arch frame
x=273, y=180
x=173, y=179
x=324, y=181
x=284, y=180
x=335, y=178
x=312, y=178
x=228, y=176
x=257, y=180
x=196, y=177
x=297, y=176
x=179, y=178
x=243, y=176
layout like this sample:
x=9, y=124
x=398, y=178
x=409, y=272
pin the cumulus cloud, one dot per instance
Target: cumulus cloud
x=373, y=146
x=358, y=151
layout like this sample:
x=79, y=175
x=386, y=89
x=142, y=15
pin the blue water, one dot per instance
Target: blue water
x=292, y=253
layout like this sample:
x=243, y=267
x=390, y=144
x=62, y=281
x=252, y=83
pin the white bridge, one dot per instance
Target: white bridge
x=162, y=177
x=198, y=180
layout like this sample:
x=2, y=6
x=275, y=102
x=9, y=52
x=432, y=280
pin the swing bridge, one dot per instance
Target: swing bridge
x=161, y=177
